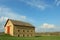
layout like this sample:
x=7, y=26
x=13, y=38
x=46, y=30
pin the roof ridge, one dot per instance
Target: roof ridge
x=17, y=22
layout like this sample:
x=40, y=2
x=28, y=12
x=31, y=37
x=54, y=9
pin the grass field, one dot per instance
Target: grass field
x=7, y=37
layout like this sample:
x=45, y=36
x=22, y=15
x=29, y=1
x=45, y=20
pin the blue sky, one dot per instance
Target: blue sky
x=43, y=14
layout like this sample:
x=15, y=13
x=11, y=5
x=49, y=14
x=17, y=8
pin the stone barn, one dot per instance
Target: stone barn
x=19, y=28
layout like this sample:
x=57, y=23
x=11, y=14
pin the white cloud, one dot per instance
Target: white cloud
x=57, y=2
x=46, y=25
x=7, y=13
x=37, y=3
x=3, y=18
x=24, y=17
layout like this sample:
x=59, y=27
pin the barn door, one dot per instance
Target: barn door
x=8, y=29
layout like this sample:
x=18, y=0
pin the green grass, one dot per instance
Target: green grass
x=7, y=37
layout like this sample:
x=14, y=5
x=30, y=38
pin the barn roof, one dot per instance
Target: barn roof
x=16, y=22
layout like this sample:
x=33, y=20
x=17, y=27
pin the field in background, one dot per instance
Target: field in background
x=7, y=37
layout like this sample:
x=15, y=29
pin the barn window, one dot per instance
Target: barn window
x=23, y=35
x=23, y=30
x=18, y=30
x=27, y=30
x=27, y=35
x=31, y=31
x=18, y=35
x=31, y=34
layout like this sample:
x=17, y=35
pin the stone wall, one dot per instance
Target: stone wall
x=22, y=31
